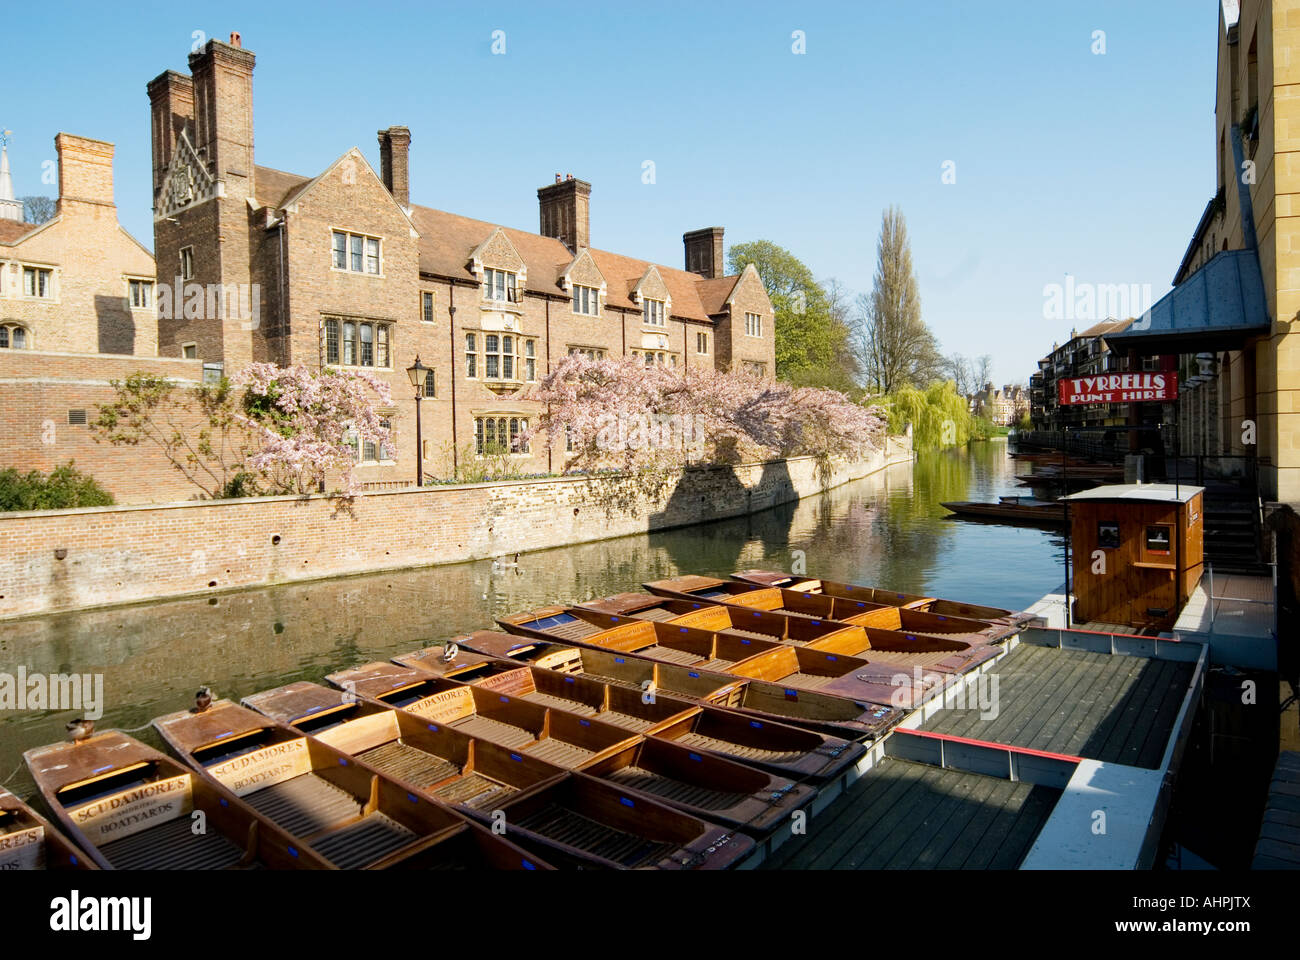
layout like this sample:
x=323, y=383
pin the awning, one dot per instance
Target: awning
x=1218, y=307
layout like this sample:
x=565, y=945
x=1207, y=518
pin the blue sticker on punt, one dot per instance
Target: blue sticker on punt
x=432, y=726
x=570, y=680
x=817, y=623
x=831, y=657
x=225, y=802
x=626, y=802
x=693, y=675
x=619, y=660
x=681, y=629
x=791, y=693
x=413, y=798
x=515, y=757
x=585, y=723
x=504, y=699
x=343, y=761
x=755, y=724
x=293, y=851
x=107, y=766
x=695, y=756
x=527, y=865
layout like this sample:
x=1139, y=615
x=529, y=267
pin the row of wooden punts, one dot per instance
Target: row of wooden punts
x=670, y=729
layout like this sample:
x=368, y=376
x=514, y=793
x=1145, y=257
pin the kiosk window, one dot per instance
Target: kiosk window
x=1158, y=539
x=1108, y=534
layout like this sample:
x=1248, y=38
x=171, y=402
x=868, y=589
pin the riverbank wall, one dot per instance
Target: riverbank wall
x=59, y=560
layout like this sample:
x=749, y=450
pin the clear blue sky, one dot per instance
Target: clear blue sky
x=1066, y=161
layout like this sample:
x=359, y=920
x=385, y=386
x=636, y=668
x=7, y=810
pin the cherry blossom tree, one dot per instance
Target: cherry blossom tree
x=309, y=424
x=621, y=414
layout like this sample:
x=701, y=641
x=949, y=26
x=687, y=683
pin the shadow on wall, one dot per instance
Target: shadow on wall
x=766, y=511
x=115, y=325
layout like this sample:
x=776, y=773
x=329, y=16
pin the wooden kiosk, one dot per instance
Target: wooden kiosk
x=1138, y=552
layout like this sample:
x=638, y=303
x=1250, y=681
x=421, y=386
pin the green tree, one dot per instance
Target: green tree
x=940, y=417
x=811, y=335
x=895, y=346
x=65, y=487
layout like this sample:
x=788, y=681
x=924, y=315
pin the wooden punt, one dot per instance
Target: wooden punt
x=585, y=822
x=551, y=736
x=669, y=642
x=841, y=675
x=1030, y=511
x=130, y=807
x=849, y=591
x=433, y=759
x=833, y=716
x=344, y=810
x=30, y=842
x=702, y=783
x=671, y=711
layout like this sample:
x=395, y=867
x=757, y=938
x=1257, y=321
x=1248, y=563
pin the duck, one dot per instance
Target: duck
x=80, y=729
x=202, y=699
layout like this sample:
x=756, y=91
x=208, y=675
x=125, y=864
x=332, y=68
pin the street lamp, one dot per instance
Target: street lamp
x=417, y=373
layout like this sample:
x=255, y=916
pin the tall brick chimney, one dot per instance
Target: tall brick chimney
x=223, y=113
x=565, y=208
x=395, y=163
x=704, y=252
x=85, y=170
x=171, y=110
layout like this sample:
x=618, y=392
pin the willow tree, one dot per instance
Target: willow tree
x=895, y=346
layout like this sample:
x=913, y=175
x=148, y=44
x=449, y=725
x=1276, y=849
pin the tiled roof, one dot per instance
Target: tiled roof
x=12, y=230
x=446, y=240
x=714, y=293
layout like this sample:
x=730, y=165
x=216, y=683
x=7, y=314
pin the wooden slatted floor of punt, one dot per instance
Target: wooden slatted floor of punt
x=616, y=681
x=559, y=703
x=172, y=846
x=909, y=816
x=408, y=763
x=637, y=778
x=363, y=842
x=806, y=681
x=738, y=750
x=472, y=790
x=755, y=635
x=626, y=721
x=672, y=655
x=304, y=805
x=1116, y=709
x=494, y=730
x=568, y=826
x=905, y=657
x=558, y=752
x=573, y=630
x=655, y=613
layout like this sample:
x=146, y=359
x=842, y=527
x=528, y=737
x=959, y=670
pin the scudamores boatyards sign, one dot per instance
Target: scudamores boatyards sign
x=1120, y=388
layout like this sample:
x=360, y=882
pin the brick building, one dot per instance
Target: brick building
x=341, y=269
x=78, y=283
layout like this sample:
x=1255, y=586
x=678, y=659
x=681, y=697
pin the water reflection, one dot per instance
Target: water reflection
x=887, y=529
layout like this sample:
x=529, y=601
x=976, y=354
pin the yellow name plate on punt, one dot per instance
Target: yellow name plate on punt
x=130, y=811
x=264, y=768
x=23, y=849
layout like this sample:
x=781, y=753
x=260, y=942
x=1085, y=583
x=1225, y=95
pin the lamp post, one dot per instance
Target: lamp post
x=417, y=372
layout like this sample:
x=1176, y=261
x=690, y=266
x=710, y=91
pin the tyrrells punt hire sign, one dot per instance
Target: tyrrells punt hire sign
x=1120, y=388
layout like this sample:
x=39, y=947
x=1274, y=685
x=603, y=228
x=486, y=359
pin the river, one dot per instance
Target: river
x=886, y=530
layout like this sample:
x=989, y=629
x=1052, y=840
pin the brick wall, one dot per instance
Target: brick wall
x=37, y=392
x=127, y=554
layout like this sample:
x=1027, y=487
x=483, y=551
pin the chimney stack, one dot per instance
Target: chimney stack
x=223, y=114
x=704, y=252
x=85, y=170
x=565, y=208
x=395, y=163
x=171, y=110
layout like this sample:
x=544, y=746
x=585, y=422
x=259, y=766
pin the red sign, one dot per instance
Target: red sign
x=1156, y=387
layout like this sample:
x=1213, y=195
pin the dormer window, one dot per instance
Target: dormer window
x=586, y=300
x=653, y=312
x=500, y=285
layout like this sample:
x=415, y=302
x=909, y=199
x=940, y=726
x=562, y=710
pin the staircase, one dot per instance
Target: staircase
x=1232, y=531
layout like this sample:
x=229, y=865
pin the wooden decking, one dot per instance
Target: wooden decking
x=913, y=816
x=1116, y=709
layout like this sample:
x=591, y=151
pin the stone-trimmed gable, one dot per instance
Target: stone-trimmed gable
x=651, y=286
x=498, y=253
x=583, y=270
x=361, y=167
